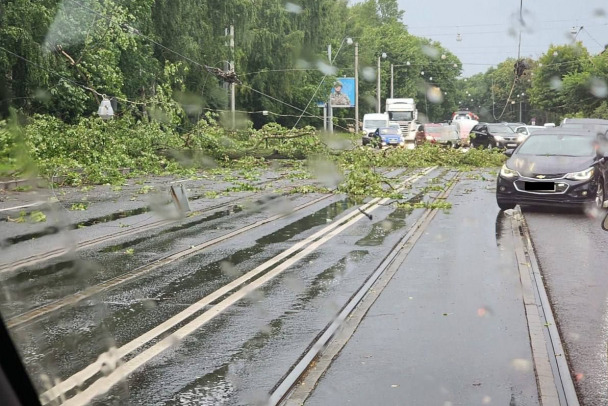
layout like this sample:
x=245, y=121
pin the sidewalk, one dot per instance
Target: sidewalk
x=450, y=328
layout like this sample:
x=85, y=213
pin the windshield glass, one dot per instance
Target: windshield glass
x=196, y=209
x=440, y=130
x=565, y=145
x=389, y=131
x=373, y=124
x=401, y=115
x=503, y=129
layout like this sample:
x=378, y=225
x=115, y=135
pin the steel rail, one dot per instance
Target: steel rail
x=277, y=265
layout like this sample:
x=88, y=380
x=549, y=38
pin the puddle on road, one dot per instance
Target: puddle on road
x=215, y=216
x=225, y=269
x=196, y=280
x=117, y=216
x=501, y=219
x=222, y=383
x=7, y=242
x=382, y=229
x=55, y=230
x=393, y=222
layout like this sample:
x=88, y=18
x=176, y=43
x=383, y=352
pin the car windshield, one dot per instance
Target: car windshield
x=389, y=130
x=401, y=115
x=281, y=202
x=558, y=145
x=501, y=129
x=440, y=130
x=374, y=123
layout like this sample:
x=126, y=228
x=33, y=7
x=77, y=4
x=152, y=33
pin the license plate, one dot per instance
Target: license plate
x=542, y=186
x=511, y=145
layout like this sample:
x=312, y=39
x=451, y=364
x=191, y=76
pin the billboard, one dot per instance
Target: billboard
x=343, y=93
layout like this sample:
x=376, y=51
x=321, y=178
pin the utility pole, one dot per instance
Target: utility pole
x=356, y=87
x=378, y=88
x=330, y=111
x=520, y=111
x=392, y=76
x=232, y=85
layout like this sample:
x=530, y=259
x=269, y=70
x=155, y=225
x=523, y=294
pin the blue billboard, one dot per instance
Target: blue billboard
x=343, y=93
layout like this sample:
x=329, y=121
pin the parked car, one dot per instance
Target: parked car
x=555, y=167
x=441, y=134
x=524, y=131
x=493, y=136
x=592, y=124
x=388, y=136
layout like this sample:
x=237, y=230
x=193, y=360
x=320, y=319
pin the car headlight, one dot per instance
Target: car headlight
x=508, y=173
x=582, y=175
x=498, y=138
x=521, y=138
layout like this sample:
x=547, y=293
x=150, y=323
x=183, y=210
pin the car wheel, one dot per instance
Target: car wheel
x=600, y=194
x=505, y=205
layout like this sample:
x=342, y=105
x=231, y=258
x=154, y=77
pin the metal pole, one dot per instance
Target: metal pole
x=232, y=85
x=331, y=117
x=520, y=111
x=392, y=76
x=378, y=88
x=325, y=117
x=356, y=87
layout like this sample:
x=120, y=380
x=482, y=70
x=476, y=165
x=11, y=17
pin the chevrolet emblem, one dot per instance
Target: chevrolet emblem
x=541, y=176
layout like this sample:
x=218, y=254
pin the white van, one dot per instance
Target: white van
x=371, y=122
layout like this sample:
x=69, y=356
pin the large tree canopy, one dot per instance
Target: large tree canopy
x=61, y=57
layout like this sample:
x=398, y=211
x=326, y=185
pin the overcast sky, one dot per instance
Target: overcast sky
x=489, y=27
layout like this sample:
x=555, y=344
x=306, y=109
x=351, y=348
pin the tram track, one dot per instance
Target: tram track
x=212, y=305
x=39, y=258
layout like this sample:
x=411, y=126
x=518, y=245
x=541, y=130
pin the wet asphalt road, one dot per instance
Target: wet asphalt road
x=279, y=321
x=572, y=250
x=450, y=328
x=242, y=353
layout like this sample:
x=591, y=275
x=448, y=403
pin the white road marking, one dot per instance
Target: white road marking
x=25, y=206
x=104, y=384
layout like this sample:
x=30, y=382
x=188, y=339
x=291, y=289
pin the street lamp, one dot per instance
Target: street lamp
x=574, y=31
x=378, y=106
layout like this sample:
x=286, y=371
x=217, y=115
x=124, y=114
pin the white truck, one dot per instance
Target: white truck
x=403, y=111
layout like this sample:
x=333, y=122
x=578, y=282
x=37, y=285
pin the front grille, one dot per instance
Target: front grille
x=546, y=176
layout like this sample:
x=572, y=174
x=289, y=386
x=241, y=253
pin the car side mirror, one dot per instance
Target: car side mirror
x=509, y=152
x=605, y=223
